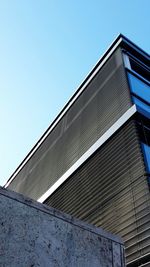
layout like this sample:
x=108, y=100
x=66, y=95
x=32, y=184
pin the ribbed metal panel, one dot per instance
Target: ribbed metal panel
x=145, y=265
x=111, y=191
x=101, y=104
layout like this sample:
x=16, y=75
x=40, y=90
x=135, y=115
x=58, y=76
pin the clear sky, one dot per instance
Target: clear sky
x=47, y=47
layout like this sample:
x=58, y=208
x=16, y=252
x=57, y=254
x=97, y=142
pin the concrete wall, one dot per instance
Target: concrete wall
x=32, y=235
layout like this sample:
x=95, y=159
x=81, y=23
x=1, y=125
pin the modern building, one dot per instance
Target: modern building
x=93, y=161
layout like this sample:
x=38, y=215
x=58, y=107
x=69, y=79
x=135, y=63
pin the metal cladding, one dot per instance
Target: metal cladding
x=101, y=104
x=110, y=190
x=107, y=185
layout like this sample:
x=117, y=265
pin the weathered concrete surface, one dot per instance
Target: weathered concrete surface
x=32, y=234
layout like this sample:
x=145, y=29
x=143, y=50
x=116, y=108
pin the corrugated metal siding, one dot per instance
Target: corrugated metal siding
x=111, y=191
x=104, y=100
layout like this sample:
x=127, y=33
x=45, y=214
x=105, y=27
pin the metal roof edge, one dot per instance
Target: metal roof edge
x=134, y=46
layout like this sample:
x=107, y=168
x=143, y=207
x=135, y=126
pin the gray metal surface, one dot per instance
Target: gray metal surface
x=103, y=102
x=122, y=42
x=111, y=191
x=118, y=124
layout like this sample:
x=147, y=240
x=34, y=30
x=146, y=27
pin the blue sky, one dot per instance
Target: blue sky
x=47, y=48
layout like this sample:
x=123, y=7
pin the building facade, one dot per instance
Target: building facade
x=93, y=162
